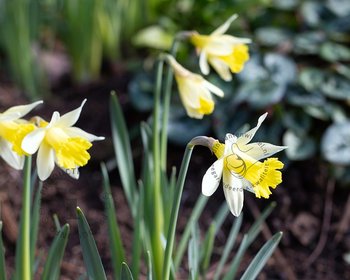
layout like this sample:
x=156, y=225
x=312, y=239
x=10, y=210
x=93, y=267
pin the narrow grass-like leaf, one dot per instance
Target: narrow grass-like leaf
x=229, y=245
x=197, y=211
x=221, y=216
x=91, y=256
x=149, y=266
x=137, y=238
x=262, y=257
x=125, y=273
x=56, y=221
x=123, y=151
x=170, y=240
x=207, y=248
x=35, y=222
x=2, y=256
x=116, y=244
x=237, y=260
x=256, y=227
x=193, y=252
x=247, y=240
x=54, y=258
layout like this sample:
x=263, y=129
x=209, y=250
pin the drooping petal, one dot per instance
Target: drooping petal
x=233, y=190
x=78, y=132
x=212, y=88
x=221, y=68
x=70, y=118
x=22, y=110
x=12, y=158
x=32, y=141
x=45, y=161
x=225, y=26
x=212, y=178
x=261, y=150
x=203, y=63
x=246, y=137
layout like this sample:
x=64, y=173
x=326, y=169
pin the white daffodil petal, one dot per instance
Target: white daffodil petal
x=70, y=118
x=230, y=139
x=203, y=63
x=246, y=137
x=261, y=150
x=9, y=116
x=225, y=26
x=233, y=191
x=30, y=143
x=11, y=157
x=214, y=89
x=22, y=110
x=221, y=68
x=212, y=178
x=193, y=113
x=247, y=186
x=78, y=132
x=217, y=47
x=45, y=161
x=54, y=119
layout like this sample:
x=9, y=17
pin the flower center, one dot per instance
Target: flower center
x=199, y=40
x=237, y=58
x=206, y=106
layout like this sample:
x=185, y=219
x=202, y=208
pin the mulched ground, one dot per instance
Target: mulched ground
x=312, y=210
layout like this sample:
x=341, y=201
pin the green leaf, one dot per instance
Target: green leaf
x=300, y=147
x=311, y=78
x=123, y=151
x=272, y=36
x=281, y=68
x=193, y=252
x=140, y=91
x=285, y=4
x=334, y=52
x=261, y=258
x=116, y=244
x=125, y=273
x=149, y=266
x=55, y=255
x=91, y=256
x=336, y=87
x=340, y=7
x=196, y=212
x=308, y=42
x=335, y=144
x=2, y=256
x=228, y=246
x=207, y=248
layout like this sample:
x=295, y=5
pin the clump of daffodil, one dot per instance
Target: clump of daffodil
x=58, y=141
x=195, y=91
x=241, y=167
x=225, y=53
x=12, y=131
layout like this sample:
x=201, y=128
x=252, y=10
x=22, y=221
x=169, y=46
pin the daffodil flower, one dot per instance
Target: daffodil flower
x=195, y=91
x=59, y=142
x=12, y=131
x=239, y=165
x=224, y=52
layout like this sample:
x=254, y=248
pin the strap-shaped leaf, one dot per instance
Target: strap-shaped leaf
x=126, y=273
x=91, y=256
x=2, y=256
x=261, y=258
x=54, y=258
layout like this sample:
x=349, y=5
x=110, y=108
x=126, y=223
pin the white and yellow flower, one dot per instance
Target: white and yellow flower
x=225, y=53
x=195, y=91
x=12, y=131
x=59, y=142
x=240, y=167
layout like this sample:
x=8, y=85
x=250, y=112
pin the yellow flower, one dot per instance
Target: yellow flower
x=239, y=165
x=59, y=142
x=12, y=131
x=224, y=52
x=195, y=91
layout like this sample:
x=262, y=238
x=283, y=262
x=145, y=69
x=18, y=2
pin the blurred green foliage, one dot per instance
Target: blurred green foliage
x=298, y=72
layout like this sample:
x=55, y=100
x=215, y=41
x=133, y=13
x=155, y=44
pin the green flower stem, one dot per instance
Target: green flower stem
x=166, y=107
x=175, y=210
x=158, y=218
x=24, y=268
